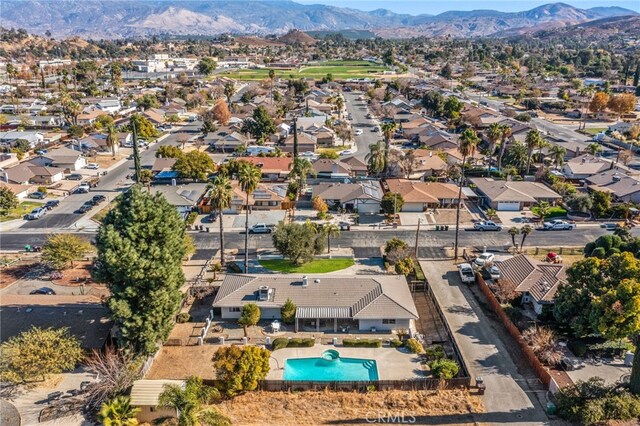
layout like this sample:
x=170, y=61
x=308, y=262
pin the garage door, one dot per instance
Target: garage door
x=413, y=207
x=509, y=206
x=368, y=208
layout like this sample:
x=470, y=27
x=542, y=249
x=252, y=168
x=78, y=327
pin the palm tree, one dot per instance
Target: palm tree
x=557, y=154
x=272, y=76
x=513, y=231
x=118, y=412
x=494, y=134
x=468, y=142
x=388, y=130
x=219, y=199
x=526, y=230
x=146, y=176
x=249, y=176
x=593, y=148
x=112, y=140
x=532, y=141
x=188, y=401
x=506, y=133
x=330, y=230
x=375, y=158
x=298, y=179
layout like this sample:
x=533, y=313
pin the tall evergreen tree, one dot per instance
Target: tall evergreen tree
x=141, y=244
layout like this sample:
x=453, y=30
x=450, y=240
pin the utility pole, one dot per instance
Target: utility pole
x=395, y=206
x=295, y=138
x=136, y=153
x=417, y=236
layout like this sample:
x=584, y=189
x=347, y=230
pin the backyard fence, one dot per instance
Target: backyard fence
x=528, y=354
x=364, y=386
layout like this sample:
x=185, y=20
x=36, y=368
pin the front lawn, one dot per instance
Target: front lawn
x=554, y=212
x=22, y=209
x=317, y=266
x=594, y=130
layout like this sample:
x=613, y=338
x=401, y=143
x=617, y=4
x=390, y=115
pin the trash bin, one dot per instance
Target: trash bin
x=551, y=408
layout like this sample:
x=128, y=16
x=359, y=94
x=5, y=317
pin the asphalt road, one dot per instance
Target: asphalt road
x=359, y=110
x=365, y=242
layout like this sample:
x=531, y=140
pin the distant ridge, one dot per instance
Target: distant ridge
x=139, y=18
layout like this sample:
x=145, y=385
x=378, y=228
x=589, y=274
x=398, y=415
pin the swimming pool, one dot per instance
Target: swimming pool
x=330, y=367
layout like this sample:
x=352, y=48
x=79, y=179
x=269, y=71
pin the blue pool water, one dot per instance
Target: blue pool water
x=327, y=369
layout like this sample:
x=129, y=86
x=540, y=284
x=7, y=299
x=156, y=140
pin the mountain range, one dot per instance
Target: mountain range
x=134, y=18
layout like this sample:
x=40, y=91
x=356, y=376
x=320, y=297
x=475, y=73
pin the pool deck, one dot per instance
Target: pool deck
x=393, y=364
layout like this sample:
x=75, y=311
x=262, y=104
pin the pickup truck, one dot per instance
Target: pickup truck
x=36, y=213
x=467, y=274
x=557, y=224
x=487, y=225
x=260, y=228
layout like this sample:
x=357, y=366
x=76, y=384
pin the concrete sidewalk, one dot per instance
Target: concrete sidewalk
x=509, y=398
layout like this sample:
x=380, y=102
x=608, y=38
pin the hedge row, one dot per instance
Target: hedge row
x=362, y=343
x=282, y=342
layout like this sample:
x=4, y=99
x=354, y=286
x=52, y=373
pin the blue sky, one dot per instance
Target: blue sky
x=416, y=7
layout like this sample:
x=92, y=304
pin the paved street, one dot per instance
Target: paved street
x=358, y=111
x=509, y=399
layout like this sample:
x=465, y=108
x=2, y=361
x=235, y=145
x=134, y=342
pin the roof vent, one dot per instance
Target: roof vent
x=305, y=281
x=616, y=178
x=263, y=293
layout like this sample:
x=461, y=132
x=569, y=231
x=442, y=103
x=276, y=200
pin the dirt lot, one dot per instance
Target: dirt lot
x=180, y=362
x=312, y=408
x=12, y=273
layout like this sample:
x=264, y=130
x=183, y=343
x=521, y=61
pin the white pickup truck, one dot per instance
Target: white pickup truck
x=260, y=228
x=558, y=224
x=467, y=274
x=487, y=225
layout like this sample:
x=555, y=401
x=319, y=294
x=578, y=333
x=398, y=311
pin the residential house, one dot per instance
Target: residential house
x=427, y=163
x=358, y=168
x=513, y=196
x=89, y=116
x=274, y=169
x=331, y=169
x=145, y=396
x=184, y=198
x=306, y=143
x=323, y=303
x=263, y=198
x=226, y=142
x=162, y=165
x=20, y=174
x=109, y=106
x=622, y=188
x=156, y=116
x=363, y=197
x=20, y=191
x=420, y=196
x=438, y=140
x=10, y=138
x=46, y=175
x=537, y=281
x=584, y=166
x=98, y=142
x=64, y=158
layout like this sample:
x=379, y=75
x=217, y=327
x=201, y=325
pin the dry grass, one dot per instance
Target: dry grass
x=180, y=362
x=312, y=408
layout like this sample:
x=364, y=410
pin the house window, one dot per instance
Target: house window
x=152, y=409
x=234, y=309
x=388, y=321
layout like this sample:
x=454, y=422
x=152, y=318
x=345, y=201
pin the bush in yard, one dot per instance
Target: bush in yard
x=414, y=346
x=444, y=368
x=599, y=252
x=249, y=317
x=282, y=342
x=240, y=369
x=394, y=244
x=405, y=266
x=61, y=250
x=362, y=343
x=542, y=341
x=577, y=347
x=183, y=317
x=593, y=402
x=288, y=312
x=434, y=352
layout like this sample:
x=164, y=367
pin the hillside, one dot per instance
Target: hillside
x=130, y=18
x=601, y=30
x=296, y=36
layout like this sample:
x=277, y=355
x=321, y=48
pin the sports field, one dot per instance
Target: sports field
x=338, y=69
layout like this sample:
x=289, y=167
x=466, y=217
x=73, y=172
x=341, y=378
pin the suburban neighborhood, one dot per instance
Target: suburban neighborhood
x=249, y=227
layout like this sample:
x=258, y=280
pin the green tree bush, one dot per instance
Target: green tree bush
x=240, y=369
x=288, y=312
x=444, y=368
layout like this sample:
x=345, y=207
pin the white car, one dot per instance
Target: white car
x=558, y=224
x=358, y=132
x=83, y=188
x=493, y=271
x=93, y=166
x=484, y=258
x=467, y=274
x=346, y=152
x=487, y=225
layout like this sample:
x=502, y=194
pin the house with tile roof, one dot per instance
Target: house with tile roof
x=623, y=188
x=584, y=166
x=365, y=197
x=538, y=282
x=324, y=303
x=511, y=195
x=420, y=196
x=274, y=169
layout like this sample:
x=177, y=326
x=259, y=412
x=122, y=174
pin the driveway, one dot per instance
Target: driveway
x=509, y=399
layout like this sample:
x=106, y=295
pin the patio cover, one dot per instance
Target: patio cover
x=323, y=312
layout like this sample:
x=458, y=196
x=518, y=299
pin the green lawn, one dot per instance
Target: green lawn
x=556, y=211
x=22, y=209
x=317, y=266
x=594, y=130
x=339, y=70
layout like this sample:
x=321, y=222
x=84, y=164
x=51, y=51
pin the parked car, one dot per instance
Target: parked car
x=484, y=258
x=358, y=132
x=93, y=166
x=487, y=225
x=36, y=213
x=84, y=208
x=260, y=228
x=557, y=224
x=213, y=216
x=50, y=205
x=467, y=274
x=97, y=199
x=83, y=188
x=74, y=176
x=571, y=364
x=346, y=152
x=610, y=226
x=369, y=116
x=38, y=195
x=493, y=271
x=344, y=226
x=43, y=290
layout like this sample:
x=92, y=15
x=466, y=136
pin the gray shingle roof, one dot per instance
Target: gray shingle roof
x=361, y=297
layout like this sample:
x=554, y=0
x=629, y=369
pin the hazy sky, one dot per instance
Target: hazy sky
x=416, y=7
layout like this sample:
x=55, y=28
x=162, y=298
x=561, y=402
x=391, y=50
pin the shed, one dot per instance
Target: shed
x=145, y=394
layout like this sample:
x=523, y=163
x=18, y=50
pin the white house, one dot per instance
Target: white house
x=9, y=138
x=64, y=158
